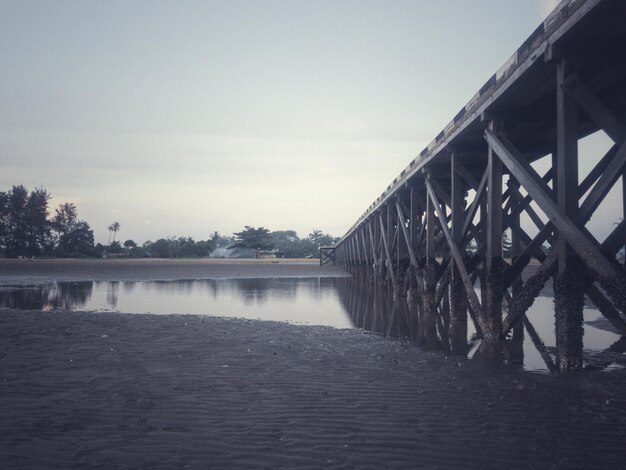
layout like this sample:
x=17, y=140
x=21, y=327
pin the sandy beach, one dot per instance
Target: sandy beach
x=115, y=390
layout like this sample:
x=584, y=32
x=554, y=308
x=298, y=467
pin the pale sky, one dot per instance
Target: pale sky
x=185, y=117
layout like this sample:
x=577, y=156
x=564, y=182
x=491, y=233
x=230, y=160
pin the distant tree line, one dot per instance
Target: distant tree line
x=28, y=230
x=284, y=243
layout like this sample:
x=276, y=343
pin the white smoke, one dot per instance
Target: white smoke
x=221, y=253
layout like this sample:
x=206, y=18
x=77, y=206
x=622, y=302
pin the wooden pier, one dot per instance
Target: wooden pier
x=435, y=234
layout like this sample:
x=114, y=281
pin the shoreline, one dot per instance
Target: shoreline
x=23, y=272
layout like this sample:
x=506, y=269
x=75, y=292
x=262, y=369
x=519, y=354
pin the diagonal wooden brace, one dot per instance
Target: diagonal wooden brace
x=454, y=250
x=387, y=252
x=405, y=232
x=531, y=181
x=585, y=98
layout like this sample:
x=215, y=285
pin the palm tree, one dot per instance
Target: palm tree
x=215, y=238
x=114, y=227
x=315, y=236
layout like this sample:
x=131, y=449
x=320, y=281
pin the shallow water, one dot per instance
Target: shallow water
x=311, y=301
x=335, y=302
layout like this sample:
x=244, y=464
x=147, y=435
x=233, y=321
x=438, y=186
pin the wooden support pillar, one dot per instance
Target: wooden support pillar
x=492, y=278
x=397, y=254
x=366, y=258
x=357, y=250
x=428, y=316
x=386, y=246
x=401, y=288
x=429, y=294
x=430, y=230
x=350, y=254
x=413, y=217
x=412, y=242
x=411, y=278
x=458, y=299
x=380, y=257
x=374, y=265
x=569, y=279
x=624, y=208
x=354, y=255
x=389, y=244
x=517, y=338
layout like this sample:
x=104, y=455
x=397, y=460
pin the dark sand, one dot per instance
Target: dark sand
x=117, y=390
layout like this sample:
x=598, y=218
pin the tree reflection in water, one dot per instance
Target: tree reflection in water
x=59, y=295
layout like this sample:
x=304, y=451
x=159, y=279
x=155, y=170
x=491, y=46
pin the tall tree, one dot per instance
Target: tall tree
x=75, y=237
x=215, y=237
x=253, y=238
x=315, y=235
x=65, y=218
x=319, y=238
x=78, y=241
x=4, y=219
x=114, y=227
x=37, y=226
x=15, y=221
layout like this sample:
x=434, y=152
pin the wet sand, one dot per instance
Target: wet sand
x=116, y=390
x=119, y=390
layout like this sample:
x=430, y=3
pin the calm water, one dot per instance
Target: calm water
x=336, y=302
x=311, y=301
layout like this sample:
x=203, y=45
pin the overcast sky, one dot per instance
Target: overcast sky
x=185, y=117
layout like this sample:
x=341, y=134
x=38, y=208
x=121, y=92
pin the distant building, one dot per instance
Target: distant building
x=270, y=254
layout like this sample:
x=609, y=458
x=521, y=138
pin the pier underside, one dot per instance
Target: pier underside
x=504, y=186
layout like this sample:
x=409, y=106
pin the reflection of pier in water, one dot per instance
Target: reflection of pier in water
x=377, y=309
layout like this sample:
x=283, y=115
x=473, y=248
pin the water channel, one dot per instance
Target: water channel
x=334, y=302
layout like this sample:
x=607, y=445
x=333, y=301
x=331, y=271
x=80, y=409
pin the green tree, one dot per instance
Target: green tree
x=253, y=238
x=4, y=216
x=24, y=226
x=319, y=238
x=15, y=221
x=65, y=218
x=315, y=236
x=130, y=244
x=75, y=237
x=215, y=237
x=37, y=226
x=161, y=248
x=77, y=242
x=285, y=240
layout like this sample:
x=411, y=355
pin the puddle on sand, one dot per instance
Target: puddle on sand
x=312, y=301
x=335, y=302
